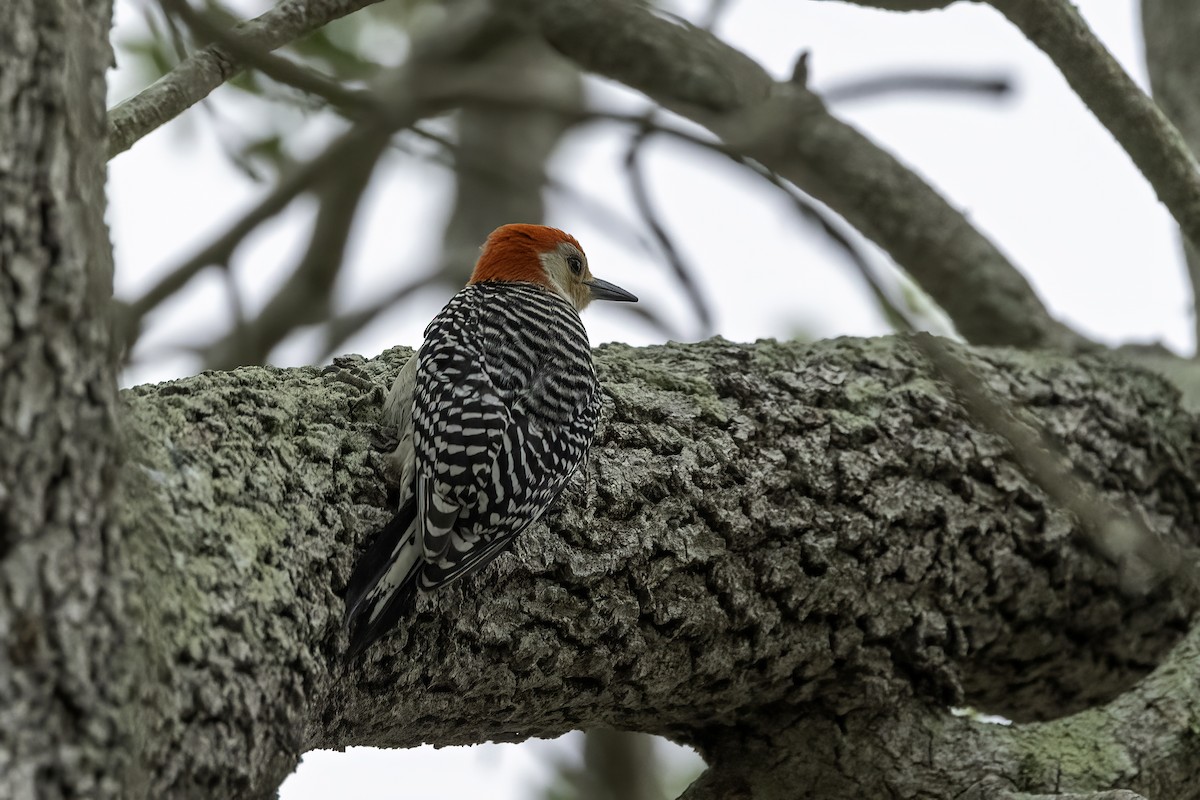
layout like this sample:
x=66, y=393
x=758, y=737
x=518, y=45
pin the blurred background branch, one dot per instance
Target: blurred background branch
x=616, y=765
x=1144, y=131
x=1171, y=31
x=202, y=72
x=691, y=72
x=877, y=86
x=515, y=143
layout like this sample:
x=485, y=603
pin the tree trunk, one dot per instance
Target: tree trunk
x=64, y=684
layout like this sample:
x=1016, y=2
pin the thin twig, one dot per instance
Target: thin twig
x=649, y=314
x=341, y=327
x=233, y=293
x=304, y=297
x=809, y=211
x=352, y=101
x=197, y=76
x=901, y=5
x=641, y=197
x=712, y=15
x=173, y=34
x=877, y=86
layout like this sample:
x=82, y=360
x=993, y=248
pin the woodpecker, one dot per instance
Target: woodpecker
x=494, y=414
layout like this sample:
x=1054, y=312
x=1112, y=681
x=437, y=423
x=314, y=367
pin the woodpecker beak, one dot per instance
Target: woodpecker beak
x=603, y=290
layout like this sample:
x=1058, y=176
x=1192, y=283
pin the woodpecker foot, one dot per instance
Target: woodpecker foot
x=372, y=392
x=340, y=370
x=384, y=441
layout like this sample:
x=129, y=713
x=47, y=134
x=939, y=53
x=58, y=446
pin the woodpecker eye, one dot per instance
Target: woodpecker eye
x=575, y=263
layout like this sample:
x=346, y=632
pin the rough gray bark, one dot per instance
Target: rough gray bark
x=64, y=691
x=766, y=537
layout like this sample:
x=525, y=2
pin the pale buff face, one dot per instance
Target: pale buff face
x=566, y=268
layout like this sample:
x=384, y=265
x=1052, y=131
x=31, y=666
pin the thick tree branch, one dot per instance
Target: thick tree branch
x=1143, y=740
x=764, y=534
x=198, y=75
x=685, y=275
x=1120, y=536
x=788, y=129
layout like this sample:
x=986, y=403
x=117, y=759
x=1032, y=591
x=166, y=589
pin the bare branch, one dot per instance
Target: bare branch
x=789, y=130
x=340, y=328
x=1171, y=30
x=912, y=83
x=193, y=79
x=280, y=69
x=858, y=259
x=222, y=248
x=684, y=273
x=1143, y=130
x=712, y=15
x=304, y=297
x=1154, y=144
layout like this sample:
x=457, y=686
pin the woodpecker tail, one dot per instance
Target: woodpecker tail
x=383, y=586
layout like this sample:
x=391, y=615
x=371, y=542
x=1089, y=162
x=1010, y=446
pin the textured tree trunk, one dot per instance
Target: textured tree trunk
x=64, y=684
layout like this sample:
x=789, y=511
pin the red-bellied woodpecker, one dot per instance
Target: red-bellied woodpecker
x=494, y=414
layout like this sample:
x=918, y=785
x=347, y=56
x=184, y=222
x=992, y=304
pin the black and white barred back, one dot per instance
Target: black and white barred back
x=504, y=408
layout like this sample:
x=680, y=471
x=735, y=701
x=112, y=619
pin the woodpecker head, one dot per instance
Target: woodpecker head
x=545, y=256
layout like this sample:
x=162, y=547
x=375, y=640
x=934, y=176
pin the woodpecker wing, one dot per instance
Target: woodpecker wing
x=397, y=411
x=513, y=403
x=456, y=415
x=381, y=588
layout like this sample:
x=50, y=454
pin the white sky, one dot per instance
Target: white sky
x=1036, y=173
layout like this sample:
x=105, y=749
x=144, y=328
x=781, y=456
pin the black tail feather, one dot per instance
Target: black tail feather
x=364, y=633
x=371, y=567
